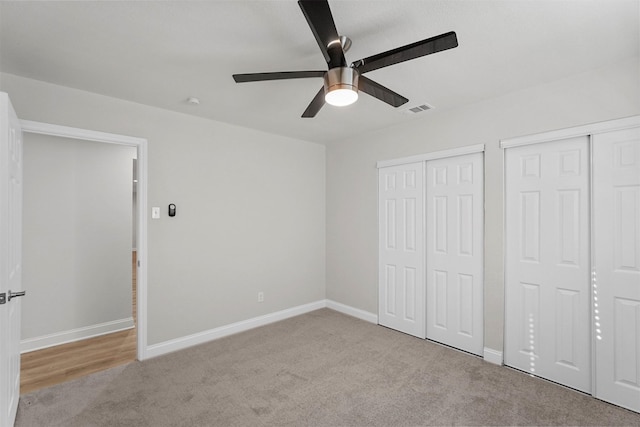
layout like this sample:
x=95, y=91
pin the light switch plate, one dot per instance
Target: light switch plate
x=155, y=213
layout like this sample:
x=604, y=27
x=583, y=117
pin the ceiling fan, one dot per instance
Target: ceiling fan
x=342, y=82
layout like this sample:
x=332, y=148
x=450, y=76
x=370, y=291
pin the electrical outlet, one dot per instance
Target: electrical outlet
x=260, y=296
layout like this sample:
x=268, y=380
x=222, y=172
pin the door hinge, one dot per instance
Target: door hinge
x=3, y=298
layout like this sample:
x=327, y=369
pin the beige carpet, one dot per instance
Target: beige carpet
x=319, y=369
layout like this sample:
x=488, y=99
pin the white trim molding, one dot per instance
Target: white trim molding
x=77, y=334
x=589, y=129
x=469, y=149
x=492, y=356
x=182, y=343
x=141, y=248
x=352, y=311
x=142, y=190
x=231, y=329
x=76, y=133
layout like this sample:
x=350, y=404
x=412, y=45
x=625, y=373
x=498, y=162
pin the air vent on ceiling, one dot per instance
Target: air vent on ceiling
x=418, y=109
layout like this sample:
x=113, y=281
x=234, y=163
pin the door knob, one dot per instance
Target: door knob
x=15, y=294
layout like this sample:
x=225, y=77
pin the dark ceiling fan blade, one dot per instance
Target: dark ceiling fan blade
x=281, y=75
x=320, y=20
x=316, y=104
x=384, y=94
x=408, y=52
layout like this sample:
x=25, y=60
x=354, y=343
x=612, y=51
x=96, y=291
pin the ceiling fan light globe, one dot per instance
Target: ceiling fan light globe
x=341, y=97
x=341, y=86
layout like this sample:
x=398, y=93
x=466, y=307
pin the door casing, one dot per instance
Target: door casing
x=141, y=221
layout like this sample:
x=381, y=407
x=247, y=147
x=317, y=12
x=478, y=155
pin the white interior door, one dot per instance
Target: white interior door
x=11, y=259
x=454, y=272
x=547, y=319
x=616, y=284
x=401, y=244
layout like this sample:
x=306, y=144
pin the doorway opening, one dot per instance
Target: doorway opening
x=121, y=338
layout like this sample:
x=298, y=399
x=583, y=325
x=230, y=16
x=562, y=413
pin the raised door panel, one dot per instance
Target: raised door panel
x=454, y=233
x=616, y=279
x=547, y=261
x=401, y=248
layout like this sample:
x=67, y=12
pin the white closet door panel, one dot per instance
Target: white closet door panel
x=454, y=222
x=401, y=264
x=547, y=261
x=616, y=281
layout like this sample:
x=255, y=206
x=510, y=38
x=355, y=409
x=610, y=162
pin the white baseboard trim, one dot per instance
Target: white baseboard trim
x=72, y=335
x=233, y=328
x=352, y=311
x=493, y=356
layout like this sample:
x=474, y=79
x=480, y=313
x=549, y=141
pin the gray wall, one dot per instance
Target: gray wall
x=77, y=234
x=251, y=205
x=352, y=245
x=251, y=208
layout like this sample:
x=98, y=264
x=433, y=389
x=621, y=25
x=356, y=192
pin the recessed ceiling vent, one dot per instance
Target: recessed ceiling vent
x=418, y=109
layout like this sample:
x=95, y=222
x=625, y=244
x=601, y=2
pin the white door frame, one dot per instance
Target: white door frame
x=141, y=146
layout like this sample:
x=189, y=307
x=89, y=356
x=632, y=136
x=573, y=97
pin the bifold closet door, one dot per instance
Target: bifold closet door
x=401, y=295
x=454, y=223
x=547, y=318
x=616, y=281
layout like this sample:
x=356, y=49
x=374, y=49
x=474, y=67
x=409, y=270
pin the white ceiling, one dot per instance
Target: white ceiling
x=161, y=53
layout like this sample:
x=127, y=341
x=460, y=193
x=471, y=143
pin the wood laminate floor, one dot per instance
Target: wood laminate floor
x=54, y=365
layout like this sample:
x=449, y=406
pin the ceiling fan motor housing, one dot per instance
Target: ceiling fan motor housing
x=341, y=78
